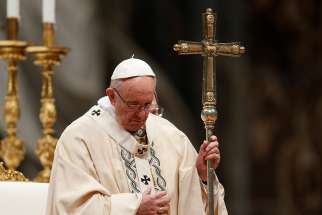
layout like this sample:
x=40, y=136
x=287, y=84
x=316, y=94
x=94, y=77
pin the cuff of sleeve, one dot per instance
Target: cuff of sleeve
x=125, y=203
x=215, y=184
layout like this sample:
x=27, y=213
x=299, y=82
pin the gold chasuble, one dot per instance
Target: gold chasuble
x=100, y=168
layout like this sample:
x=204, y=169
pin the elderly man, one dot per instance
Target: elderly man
x=119, y=159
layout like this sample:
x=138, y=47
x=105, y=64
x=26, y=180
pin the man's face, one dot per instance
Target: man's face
x=132, y=100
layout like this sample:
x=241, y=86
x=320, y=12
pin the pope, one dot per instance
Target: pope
x=119, y=159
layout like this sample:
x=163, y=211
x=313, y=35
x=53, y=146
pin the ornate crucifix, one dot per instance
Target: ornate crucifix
x=209, y=48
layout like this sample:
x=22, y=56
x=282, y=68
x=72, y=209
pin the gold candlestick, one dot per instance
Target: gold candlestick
x=47, y=56
x=12, y=149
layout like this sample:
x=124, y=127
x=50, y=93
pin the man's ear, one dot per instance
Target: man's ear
x=110, y=93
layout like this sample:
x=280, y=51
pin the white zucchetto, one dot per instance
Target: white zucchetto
x=132, y=67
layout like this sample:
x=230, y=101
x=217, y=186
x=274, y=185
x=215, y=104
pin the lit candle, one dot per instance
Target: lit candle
x=13, y=8
x=48, y=11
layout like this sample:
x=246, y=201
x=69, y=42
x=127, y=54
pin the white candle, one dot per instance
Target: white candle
x=13, y=8
x=48, y=11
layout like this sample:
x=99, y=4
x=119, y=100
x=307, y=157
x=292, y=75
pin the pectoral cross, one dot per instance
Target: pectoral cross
x=209, y=48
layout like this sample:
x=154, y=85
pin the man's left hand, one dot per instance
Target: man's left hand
x=208, y=152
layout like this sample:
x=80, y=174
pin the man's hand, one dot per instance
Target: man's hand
x=154, y=204
x=208, y=152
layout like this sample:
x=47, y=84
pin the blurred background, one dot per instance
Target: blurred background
x=269, y=100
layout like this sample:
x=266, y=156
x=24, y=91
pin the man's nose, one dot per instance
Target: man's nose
x=142, y=113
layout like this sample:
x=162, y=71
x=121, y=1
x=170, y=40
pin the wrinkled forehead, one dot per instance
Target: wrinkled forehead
x=142, y=85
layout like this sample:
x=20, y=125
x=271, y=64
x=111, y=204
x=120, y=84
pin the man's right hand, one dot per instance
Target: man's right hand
x=154, y=204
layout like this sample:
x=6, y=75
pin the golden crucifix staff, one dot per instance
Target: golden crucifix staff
x=209, y=48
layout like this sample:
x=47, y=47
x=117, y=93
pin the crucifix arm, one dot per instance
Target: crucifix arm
x=228, y=49
x=188, y=47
